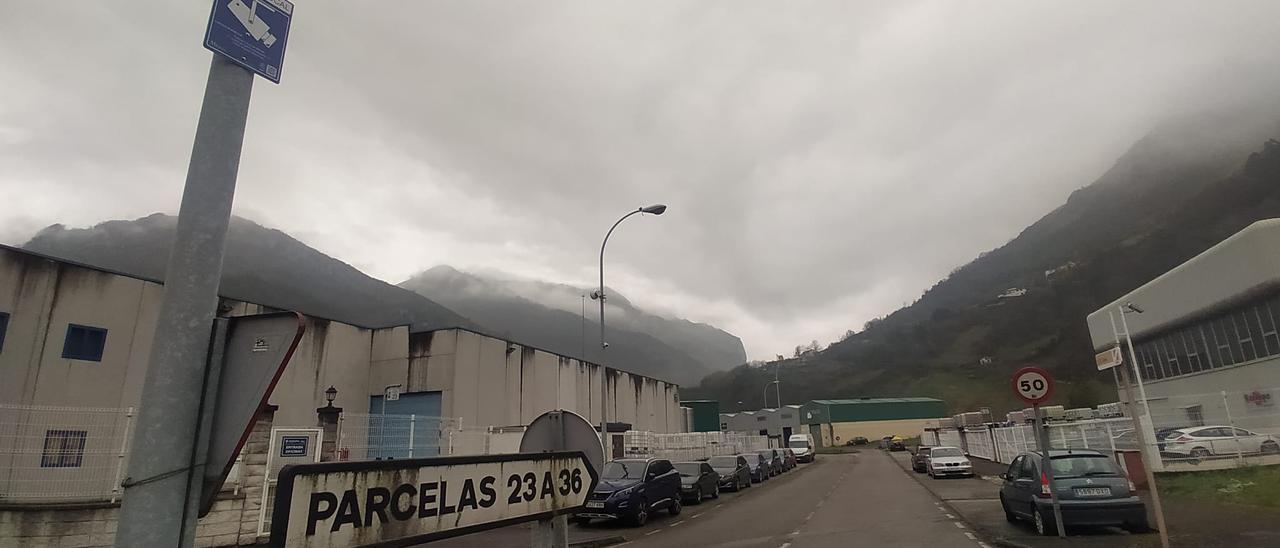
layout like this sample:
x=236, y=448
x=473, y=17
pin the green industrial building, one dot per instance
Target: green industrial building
x=835, y=422
x=706, y=415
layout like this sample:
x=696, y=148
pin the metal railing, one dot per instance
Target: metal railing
x=690, y=446
x=363, y=436
x=62, y=454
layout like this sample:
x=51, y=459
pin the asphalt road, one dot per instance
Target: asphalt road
x=839, y=501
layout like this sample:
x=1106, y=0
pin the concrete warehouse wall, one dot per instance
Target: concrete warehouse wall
x=486, y=380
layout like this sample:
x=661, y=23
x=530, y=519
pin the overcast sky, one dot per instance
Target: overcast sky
x=824, y=162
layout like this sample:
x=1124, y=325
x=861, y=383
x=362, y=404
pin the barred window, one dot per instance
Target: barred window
x=1246, y=339
x=1243, y=334
x=63, y=448
x=1267, y=321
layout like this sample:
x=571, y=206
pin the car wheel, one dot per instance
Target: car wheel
x=715, y=491
x=675, y=506
x=1009, y=516
x=1198, y=454
x=697, y=496
x=1137, y=527
x=1270, y=447
x=641, y=516
x=1044, y=527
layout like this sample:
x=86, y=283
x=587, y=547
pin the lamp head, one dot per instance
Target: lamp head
x=655, y=209
x=330, y=394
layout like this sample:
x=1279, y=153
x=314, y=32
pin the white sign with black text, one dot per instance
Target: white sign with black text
x=396, y=501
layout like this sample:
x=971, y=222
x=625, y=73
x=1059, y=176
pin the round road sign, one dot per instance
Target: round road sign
x=1033, y=385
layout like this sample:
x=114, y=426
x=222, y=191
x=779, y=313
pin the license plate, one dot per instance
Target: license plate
x=1093, y=492
x=595, y=504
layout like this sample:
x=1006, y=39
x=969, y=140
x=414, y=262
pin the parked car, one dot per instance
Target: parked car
x=896, y=444
x=632, y=489
x=885, y=442
x=860, y=440
x=1091, y=488
x=734, y=470
x=920, y=460
x=789, y=460
x=1207, y=441
x=698, y=480
x=775, y=461
x=948, y=461
x=760, y=467
x=802, y=446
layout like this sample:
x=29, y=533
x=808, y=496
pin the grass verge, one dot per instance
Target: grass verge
x=1251, y=485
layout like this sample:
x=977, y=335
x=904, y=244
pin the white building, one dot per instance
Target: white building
x=778, y=423
x=74, y=344
x=1206, y=338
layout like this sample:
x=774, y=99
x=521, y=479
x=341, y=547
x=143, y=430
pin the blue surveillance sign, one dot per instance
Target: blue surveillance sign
x=252, y=33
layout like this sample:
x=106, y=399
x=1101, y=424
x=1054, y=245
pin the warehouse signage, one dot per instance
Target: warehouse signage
x=404, y=502
x=1108, y=358
x=1258, y=399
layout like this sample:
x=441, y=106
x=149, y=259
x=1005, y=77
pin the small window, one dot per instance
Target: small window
x=1195, y=415
x=63, y=449
x=4, y=326
x=84, y=343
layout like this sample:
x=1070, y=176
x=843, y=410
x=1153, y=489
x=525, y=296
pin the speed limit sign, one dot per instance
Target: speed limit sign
x=1033, y=385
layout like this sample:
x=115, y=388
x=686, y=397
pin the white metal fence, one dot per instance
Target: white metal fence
x=363, y=436
x=690, y=446
x=58, y=454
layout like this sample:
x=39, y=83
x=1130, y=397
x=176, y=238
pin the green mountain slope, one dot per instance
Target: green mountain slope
x=1172, y=195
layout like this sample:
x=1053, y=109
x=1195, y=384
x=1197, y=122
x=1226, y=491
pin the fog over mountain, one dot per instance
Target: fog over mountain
x=555, y=313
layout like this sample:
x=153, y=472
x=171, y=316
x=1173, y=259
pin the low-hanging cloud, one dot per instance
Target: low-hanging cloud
x=824, y=161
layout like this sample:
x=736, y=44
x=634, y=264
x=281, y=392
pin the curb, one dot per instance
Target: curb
x=600, y=542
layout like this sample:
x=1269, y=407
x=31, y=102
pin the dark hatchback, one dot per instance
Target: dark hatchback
x=760, y=468
x=735, y=472
x=697, y=481
x=773, y=460
x=632, y=489
x=1091, y=488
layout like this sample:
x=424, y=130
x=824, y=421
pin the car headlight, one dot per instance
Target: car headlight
x=622, y=492
x=966, y=464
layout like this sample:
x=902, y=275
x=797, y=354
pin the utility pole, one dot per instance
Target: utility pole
x=164, y=450
x=161, y=490
x=1139, y=429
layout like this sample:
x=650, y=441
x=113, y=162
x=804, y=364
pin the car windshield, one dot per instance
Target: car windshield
x=799, y=444
x=766, y=454
x=1166, y=434
x=689, y=468
x=723, y=462
x=945, y=452
x=623, y=469
x=1074, y=466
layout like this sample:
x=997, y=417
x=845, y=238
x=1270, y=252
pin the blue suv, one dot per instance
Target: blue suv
x=632, y=489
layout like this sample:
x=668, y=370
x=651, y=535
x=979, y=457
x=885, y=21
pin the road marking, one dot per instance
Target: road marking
x=951, y=516
x=958, y=525
x=719, y=505
x=809, y=517
x=983, y=544
x=653, y=532
x=676, y=523
x=785, y=545
x=970, y=535
x=695, y=516
x=623, y=544
x=820, y=502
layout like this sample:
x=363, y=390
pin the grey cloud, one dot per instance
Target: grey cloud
x=824, y=161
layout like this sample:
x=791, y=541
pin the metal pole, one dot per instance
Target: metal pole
x=553, y=532
x=1234, y=437
x=1140, y=432
x=412, y=423
x=382, y=426
x=1042, y=439
x=124, y=451
x=158, y=478
x=777, y=389
x=604, y=396
x=1142, y=390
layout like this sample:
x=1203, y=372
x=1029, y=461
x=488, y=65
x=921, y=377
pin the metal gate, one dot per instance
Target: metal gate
x=287, y=446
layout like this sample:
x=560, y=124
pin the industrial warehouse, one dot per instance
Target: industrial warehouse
x=74, y=342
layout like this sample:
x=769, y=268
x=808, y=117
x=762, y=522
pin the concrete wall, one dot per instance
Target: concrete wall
x=1169, y=397
x=487, y=381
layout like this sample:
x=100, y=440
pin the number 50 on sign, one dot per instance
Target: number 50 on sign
x=1033, y=385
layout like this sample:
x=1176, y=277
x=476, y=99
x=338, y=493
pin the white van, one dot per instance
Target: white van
x=802, y=446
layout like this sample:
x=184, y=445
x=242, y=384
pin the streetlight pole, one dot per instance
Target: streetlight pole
x=1139, y=429
x=656, y=209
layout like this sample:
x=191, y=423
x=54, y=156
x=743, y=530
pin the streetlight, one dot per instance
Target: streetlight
x=766, y=394
x=655, y=209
